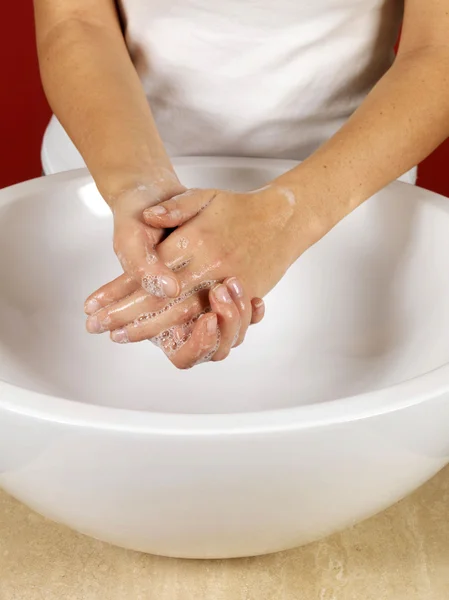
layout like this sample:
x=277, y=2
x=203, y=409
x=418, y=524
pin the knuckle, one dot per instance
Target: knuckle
x=192, y=311
x=181, y=366
x=239, y=342
x=116, y=244
x=230, y=313
x=218, y=357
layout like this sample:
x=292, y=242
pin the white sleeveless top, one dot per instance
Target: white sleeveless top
x=259, y=78
x=267, y=78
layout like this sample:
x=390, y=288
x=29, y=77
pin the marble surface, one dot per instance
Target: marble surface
x=402, y=554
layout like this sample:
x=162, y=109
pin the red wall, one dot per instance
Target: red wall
x=24, y=111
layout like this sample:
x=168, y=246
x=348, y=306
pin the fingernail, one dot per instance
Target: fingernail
x=92, y=306
x=120, y=336
x=181, y=333
x=170, y=286
x=211, y=324
x=222, y=294
x=259, y=304
x=156, y=210
x=160, y=286
x=236, y=286
x=93, y=325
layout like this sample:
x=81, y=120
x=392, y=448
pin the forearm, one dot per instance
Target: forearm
x=403, y=119
x=95, y=92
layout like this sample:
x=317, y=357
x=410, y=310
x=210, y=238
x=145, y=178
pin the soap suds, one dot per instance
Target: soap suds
x=202, y=286
x=289, y=195
x=182, y=243
x=151, y=258
x=153, y=285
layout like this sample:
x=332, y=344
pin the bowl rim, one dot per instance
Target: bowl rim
x=28, y=403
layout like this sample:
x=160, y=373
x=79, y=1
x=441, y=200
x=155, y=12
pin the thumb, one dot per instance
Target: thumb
x=179, y=209
x=136, y=248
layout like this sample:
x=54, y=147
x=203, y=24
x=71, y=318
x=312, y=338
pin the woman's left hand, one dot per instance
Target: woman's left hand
x=254, y=236
x=219, y=234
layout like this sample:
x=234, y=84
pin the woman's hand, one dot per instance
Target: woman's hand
x=183, y=328
x=135, y=241
x=255, y=236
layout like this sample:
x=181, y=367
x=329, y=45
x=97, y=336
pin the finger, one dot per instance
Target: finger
x=135, y=249
x=111, y=292
x=179, y=209
x=191, y=261
x=200, y=345
x=243, y=305
x=129, y=323
x=228, y=319
x=123, y=312
x=258, y=306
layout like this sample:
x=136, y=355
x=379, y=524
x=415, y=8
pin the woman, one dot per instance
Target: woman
x=313, y=81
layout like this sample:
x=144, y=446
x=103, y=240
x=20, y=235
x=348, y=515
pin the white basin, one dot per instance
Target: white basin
x=316, y=422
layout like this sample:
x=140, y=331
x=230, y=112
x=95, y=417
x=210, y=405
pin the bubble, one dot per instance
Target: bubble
x=209, y=356
x=173, y=338
x=153, y=285
x=182, y=243
x=180, y=266
x=150, y=257
x=205, y=285
x=198, y=288
x=170, y=340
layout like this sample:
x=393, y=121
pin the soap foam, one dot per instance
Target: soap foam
x=174, y=338
x=198, y=288
x=152, y=284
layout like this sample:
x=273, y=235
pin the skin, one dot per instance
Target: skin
x=144, y=318
x=253, y=236
x=94, y=90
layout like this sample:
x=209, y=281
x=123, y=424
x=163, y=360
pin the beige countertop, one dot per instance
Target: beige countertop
x=402, y=554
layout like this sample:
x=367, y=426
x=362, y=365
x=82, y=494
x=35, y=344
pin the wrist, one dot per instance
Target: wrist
x=133, y=193
x=303, y=221
x=318, y=202
x=330, y=189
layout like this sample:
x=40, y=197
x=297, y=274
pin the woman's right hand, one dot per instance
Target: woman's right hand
x=135, y=242
x=197, y=327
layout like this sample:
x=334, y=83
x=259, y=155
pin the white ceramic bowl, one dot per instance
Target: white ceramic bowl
x=336, y=406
